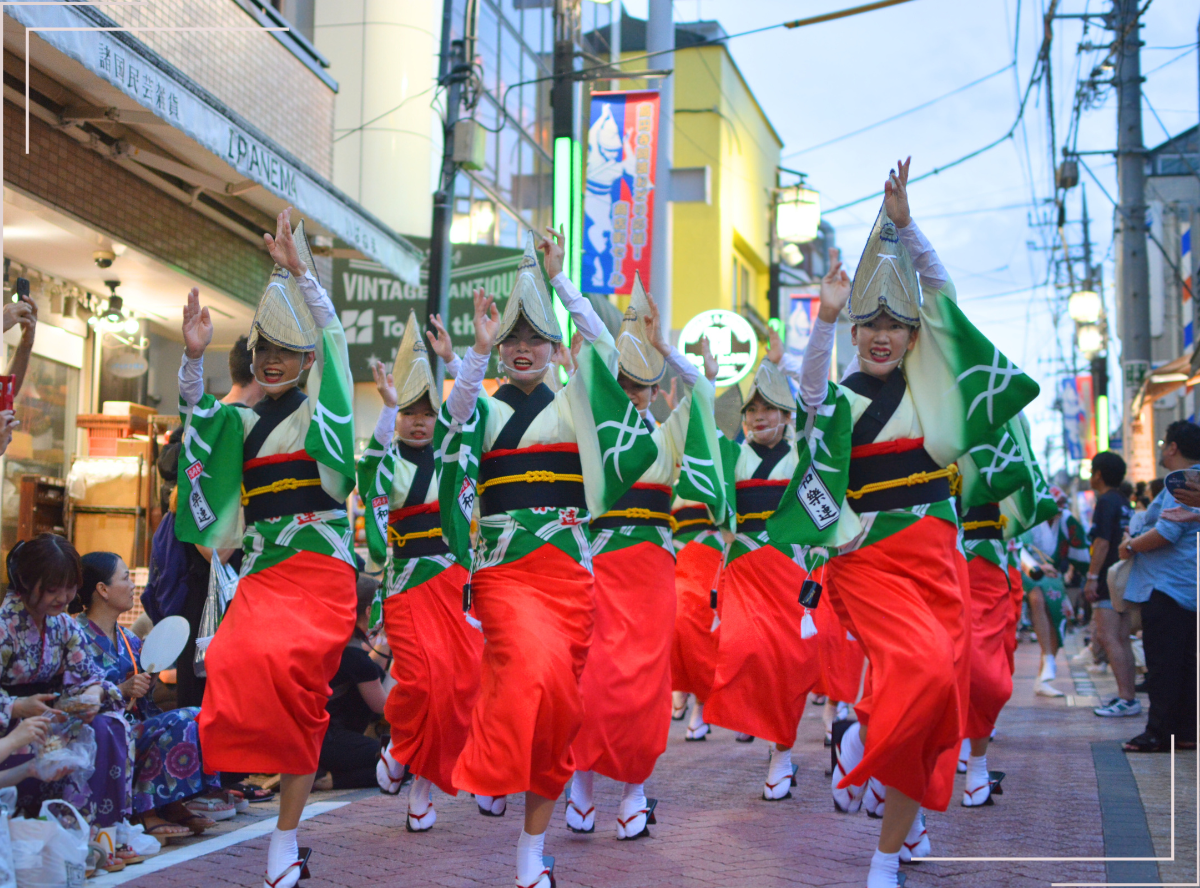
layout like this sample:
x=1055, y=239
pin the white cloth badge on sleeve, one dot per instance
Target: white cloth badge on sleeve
x=817, y=501
x=201, y=511
x=466, y=498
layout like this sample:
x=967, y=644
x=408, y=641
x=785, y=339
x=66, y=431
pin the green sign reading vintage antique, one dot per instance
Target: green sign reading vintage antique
x=373, y=304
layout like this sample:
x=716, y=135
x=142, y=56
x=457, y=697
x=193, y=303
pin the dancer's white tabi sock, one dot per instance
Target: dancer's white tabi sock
x=282, y=853
x=977, y=771
x=581, y=790
x=697, y=718
x=852, y=745
x=914, y=831
x=529, y=858
x=633, y=799
x=420, y=796
x=1049, y=668
x=780, y=767
x=885, y=870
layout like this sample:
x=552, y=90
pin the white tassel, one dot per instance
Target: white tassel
x=716, y=623
x=472, y=622
x=807, y=627
x=850, y=637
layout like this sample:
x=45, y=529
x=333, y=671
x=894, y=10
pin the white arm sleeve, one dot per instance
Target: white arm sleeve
x=852, y=367
x=317, y=299
x=582, y=312
x=453, y=367
x=191, y=380
x=467, y=386
x=385, y=426
x=683, y=367
x=791, y=364
x=814, y=369
x=925, y=260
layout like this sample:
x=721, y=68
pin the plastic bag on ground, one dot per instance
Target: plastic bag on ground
x=51, y=850
x=134, y=835
x=8, y=804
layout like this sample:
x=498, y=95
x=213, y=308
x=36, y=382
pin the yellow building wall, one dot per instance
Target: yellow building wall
x=719, y=124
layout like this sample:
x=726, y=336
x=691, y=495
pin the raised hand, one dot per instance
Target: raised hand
x=552, y=247
x=895, y=194
x=487, y=322
x=197, y=326
x=440, y=343
x=282, y=246
x=775, y=349
x=562, y=357
x=835, y=289
x=576, y=346
x=654, y=328
x=384, y=383
x=671, y=395
x=711, y=367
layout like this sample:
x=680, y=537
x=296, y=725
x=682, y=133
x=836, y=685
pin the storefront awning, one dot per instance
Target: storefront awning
x=241, y=158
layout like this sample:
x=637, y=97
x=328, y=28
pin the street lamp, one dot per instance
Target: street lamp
x=1085, y=306
x=798, y=215
x=1090, y=340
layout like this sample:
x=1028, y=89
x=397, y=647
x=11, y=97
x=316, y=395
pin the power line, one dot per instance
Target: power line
x=920, y=107
x=1182, y=55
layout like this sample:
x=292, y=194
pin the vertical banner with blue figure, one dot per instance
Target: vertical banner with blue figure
x=618, y=209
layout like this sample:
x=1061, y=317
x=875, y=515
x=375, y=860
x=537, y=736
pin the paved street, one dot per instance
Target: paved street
x=715, y=831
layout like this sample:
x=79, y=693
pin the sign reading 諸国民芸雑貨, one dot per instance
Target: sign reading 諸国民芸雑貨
x=731, y=339
x=373, y=304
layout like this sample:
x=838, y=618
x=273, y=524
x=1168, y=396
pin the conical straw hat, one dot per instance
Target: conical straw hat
x=885, y=279
x=411, y=372
x=283, y=316
x=639, y=360
x=772, y=386
x=529, y=298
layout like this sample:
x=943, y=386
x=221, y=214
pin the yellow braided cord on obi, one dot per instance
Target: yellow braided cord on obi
x=950, y=472
x=536, y=476
x=280, y=486
x=397, y=539
x=755, y=515
x=679, y=525
x=643, y=514
x=979, y=525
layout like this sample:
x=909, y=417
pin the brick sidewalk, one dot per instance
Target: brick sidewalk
x=715, y=831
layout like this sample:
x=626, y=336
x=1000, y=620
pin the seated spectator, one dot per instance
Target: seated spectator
x=1109, y=520
x=1163, y=580
x=348, y=756
x=167, y=767
x=43, y=658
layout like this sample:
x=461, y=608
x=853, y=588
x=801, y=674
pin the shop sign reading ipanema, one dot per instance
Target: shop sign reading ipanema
x=152, y=83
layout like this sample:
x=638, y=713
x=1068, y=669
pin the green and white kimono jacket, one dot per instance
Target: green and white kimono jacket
x=960, y=391
x=591, y=411
x=672, y=438
x=385, y=478
x=718, y=499
x=210, y=463
x=748, y=461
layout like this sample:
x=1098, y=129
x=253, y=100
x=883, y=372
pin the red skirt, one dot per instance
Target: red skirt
x=537, y=617
x=904, y=599
x=694, y=647
x=764, y=668
x=991, y=624
x=1017, y=591
x=841, y=659
x=436, y=667
x=270, y=664
x=626, y=685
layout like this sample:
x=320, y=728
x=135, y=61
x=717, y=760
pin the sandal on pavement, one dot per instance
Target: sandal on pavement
x=546, y=878
x=253, y=793
x=297, y=869
x=212, y=807
x=848, y=800
x=875, y=799
x=167, y=831
x=744, y=738
x=492, y=806
x=110, y=863
x=415, y=823
x=127, y=855
x=625, y=832
x=697, y=733
x=585, y=819
x=1145, y=742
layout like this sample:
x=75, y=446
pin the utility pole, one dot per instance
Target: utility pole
x=1131, y=157
x=452, y=69
x=660, y=38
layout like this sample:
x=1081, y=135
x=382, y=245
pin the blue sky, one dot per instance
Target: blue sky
x=827, y=80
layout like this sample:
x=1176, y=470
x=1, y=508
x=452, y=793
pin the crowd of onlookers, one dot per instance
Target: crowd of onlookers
x=1131, y=579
